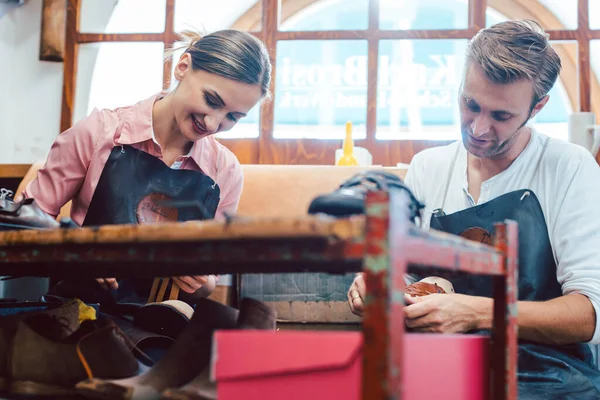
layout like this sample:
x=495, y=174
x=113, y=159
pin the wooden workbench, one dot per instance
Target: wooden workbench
x=383, y=243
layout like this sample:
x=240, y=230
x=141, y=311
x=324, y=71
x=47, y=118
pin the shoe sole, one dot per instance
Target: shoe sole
x=30, y=388
x=104, y=390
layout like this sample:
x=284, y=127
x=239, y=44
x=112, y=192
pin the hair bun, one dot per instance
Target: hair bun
x=190, y=37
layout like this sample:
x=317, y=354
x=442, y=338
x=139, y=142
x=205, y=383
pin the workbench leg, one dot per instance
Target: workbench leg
x=384, y=267
x=504, y=350
x=375, y=322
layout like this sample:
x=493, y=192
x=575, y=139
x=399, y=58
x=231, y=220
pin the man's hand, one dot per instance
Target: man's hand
x=108, y=283
x=446, y=313
x=356, y=294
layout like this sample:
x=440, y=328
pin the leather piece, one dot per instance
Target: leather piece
x=568, y=367
x=419, y=289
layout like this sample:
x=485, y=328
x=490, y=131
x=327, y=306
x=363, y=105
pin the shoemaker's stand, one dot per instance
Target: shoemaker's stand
x=384, y=244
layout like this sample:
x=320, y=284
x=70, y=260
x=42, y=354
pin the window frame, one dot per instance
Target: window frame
x=267, y=150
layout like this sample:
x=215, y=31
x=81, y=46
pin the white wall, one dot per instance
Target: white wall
x=30, y=90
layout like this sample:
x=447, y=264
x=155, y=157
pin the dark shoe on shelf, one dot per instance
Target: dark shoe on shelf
x=253, y=315
x=183, y=361
x=45, y=360
x=67, y=313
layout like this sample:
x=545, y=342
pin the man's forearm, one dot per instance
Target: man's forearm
x=564, y=320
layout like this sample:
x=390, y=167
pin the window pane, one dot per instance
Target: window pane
x=243, y=15
x=556, y=14
x=418, y=84
x=594, y=12
x=417, y=88
x=423, y=14
x=320, y=85
x=111, y=75
x=564, y=96
x=122, y=16
x=324, y=15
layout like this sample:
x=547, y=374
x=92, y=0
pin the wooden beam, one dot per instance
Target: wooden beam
x=70, y=64
x=585, y=95
x=54, y=25
x=563, y=34
x=270, y=28
x=14, y=170
x=377, y=35
x=168, y=40
x=372, y=73
x=119, y=37
x=477, y=17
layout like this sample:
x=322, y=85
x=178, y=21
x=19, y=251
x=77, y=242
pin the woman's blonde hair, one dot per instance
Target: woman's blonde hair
x=229, y=53
x=514, y=50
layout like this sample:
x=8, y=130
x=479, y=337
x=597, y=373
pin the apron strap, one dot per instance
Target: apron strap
x=537, y=166
x=450, y=171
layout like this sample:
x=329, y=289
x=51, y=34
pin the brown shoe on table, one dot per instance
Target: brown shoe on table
x=44, y=360
x=183, y=361
x=253, y=315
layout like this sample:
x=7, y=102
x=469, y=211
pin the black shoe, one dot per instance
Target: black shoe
x=349, y=198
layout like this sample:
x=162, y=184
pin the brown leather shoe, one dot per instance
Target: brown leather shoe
x=24, y=214
x=253, y=315
x=46, y=361
x=67, y=313
x=184, y=360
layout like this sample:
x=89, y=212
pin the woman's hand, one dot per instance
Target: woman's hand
x=192, y=284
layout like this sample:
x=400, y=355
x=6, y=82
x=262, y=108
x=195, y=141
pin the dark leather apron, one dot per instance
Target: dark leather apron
x=544, y=372
x=131, y=190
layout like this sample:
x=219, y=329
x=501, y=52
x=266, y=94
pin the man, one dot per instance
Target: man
x=504, y=169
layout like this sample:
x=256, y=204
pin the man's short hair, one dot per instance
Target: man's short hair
x=515, y=50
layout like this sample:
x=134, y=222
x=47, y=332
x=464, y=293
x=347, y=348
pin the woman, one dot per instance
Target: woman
x=125, y=165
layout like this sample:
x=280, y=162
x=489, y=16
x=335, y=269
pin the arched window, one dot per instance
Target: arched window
x=322, y=80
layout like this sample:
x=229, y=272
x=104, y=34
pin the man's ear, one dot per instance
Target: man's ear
x=539, y=106
x=183, y=65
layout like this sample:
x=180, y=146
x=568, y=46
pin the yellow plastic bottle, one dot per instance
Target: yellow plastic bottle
x=348, y=158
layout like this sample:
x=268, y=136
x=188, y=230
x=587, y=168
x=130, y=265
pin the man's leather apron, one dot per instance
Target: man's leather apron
x=544, y=371
x=136, y=188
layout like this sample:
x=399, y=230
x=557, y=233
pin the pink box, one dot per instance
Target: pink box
x=317, y=365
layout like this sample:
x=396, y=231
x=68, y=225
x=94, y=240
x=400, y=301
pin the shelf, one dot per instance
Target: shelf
x=383, y=244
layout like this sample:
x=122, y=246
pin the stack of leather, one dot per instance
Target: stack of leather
x=60, y=351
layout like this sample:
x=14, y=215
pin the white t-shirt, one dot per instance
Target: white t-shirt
x=567, y=185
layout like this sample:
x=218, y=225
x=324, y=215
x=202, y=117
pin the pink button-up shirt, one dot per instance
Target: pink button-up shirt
x=78, y=156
